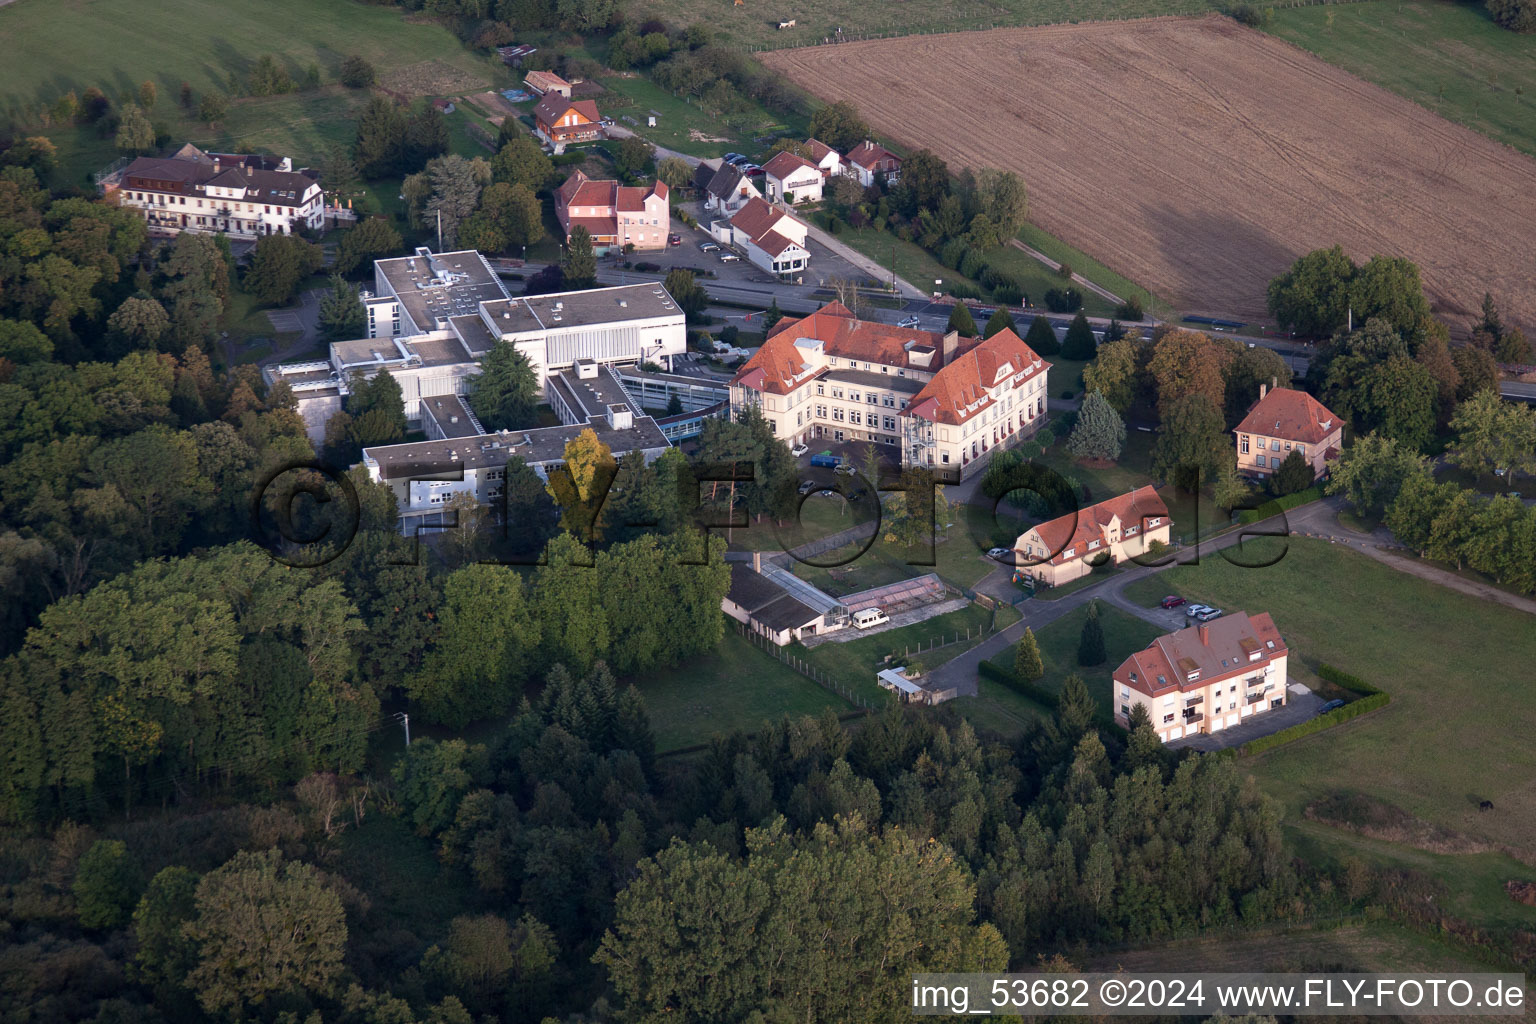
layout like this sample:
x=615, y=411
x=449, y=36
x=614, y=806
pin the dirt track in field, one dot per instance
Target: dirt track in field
x=1199, y=157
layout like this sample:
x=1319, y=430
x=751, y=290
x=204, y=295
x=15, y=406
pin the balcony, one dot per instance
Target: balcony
x=1193, y=719
x=1193, y=701
x=1255, y=698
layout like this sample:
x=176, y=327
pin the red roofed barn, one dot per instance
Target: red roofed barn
x=1283, y=420
x=1205, y=678
x=615, y=215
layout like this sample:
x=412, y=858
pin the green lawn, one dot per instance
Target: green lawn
x=999, y=710
x=1459, y=726
x=735, y=686
x=1038, y=279
x=1089, y=267
x=1449, y=57
x=116, y=44
x=1124, y=634
x=855, y=662
x=682, y=124
x=914, y=264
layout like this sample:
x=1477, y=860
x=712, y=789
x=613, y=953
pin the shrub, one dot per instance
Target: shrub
x=952, y=252
x=1065, y=271
x=991, y=278
x=1045, y=439
x=1337, y=716
x=1034, y=691
x=1063, y=300
x=964, y=291
x=1068, y=393
x=1032, y=449
x=1515, y=15
x=1346, y=680
x=1130, y=309
x=646, y=267
x=357, y=73
x=972, y=265
x=729, y=334
x=1248, y=14
x=1008, y=295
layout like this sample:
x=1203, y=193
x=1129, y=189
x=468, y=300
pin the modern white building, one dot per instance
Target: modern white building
x=418, y=294
x=242, y=195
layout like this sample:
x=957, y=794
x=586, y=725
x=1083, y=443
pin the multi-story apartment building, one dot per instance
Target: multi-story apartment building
x=614, y=215
x=834, y=377
x=242, y=195
x=1285, y=420
x=1067, y=547
x=1205, y=678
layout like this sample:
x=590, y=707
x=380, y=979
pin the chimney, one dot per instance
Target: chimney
x=1262, y=389
x=950, y=343
x=1274, y=382
x=757, y=561
x=1205, y=635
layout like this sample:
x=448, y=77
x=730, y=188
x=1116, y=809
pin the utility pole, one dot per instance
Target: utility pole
x=439, y=230
x=405, y=720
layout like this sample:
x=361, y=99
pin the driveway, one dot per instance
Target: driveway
x=1300, y=705
x=304, y=318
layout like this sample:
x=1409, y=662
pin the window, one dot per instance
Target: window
x=821, y=389
x=1302, y=449
x=1259, y=460
x=821, y=411
x=855, y=417
x=1167, y=719
x=944, y=458
x=853, y=396
x=890, y=423
x=1125, y=711
x=1274, y=445
x=1125, y=693
x=837, y=392
x=1242, y=444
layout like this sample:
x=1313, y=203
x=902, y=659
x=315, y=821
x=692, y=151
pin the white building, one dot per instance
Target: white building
x=724, y=187
x=771, y=238
x=827, y=159
x=792, y=178
x=244, y=196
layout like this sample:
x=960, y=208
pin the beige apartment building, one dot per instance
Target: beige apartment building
x=1205, y=678
x=1284, y=420
x=944, y=402
x=1068, y=547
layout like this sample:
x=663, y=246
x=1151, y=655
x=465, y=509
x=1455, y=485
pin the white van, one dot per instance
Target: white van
x=868, y=617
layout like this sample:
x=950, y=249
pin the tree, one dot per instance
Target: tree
x=278, y=264
x=772, y=315
x=1371, y=471
x=579, y=265
x=924, y=181
x=960, y=320
x=134, y=132
x=1185, y=363
x=456, y=185
x=1041, y=337
x=635, y=155
x=1027, y=664
x=1515, y=15
x=1099, y=433
x=1079, y=342
x=1003, y=196
x=1229, y=490
x=20, y=342
x=165, y=955
x=1397, y=398
x=1090, y=643
x=1191, y=443
x=1294, y=474
x=1493, y=435
x=839, y=126
x=212, y=108
x=1513, y=348
x=686, y=292
x=522, y=162
x=504, y=395
x=513, y=215
x=1000, y=320
x=580, y=486
x=1389, y=287
x=484, y=649
x=106, y=885
x=268, y=77
x=1312, y=297
x=266, y=926
x=357, y=72
x=674, y=171
x=1475, y=371
x=139, y=322
x=341, y=311
x=148, y=94
x=379, y=149
x=372, y=238
x=377, y=407
x=1243, y=375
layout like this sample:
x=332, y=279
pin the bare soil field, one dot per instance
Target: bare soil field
x=1199, y=158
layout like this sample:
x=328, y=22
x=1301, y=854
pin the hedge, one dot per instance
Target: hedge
x=1277, y=505
x=1348, y=681
x=1338, y=716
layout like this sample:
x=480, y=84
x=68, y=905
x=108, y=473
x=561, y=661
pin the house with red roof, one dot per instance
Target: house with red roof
x=1284, y=420
x=1205, y=678
x=614, y=215
x=559, y=120
x=771, y=238
x=791, y=178
x=1068, y=547
x=937, y=400
x=869, y=161
x=828, y=160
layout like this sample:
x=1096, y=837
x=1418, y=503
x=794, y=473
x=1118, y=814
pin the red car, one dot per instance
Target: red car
x=1172, y=601
x=674, y=239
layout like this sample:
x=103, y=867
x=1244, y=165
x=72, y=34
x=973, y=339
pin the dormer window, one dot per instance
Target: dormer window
x=1192, y=676
x=1255, y=656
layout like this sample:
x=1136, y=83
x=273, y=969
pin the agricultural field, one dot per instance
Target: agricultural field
x=1236, y=153
x=1457, y=730
x=1450, y=58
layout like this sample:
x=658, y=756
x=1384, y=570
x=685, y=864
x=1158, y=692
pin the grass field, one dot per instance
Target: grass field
x=1199, y=157
x=733, y=687
x=1450, y=58
x=855, y=662
x=1459, y=725
x=1124, y=634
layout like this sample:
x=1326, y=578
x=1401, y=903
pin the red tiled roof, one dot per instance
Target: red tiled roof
x=756, y=218
x=774, y=243
x=965, y=381
x=597, y=226
x=785, y=163
x=845, y=337
x=818, y=149
x=868, y=154
x=1291, y=416
x=553, y=106
x=1074, y=530
x=1219, y=649
x=579, y=190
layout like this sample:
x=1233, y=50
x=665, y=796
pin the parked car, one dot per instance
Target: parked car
x=708, y=246
x=731, y=158
x=997, y=552
x=844, y=469
x=910, y=321
x=1172, y=601
x=729, y=257
x=751, y=170
x=1332, y=705
x=867, y=617
x=826, y=459
x=738, y=161
x=1209, y=614
x=1195, y=609
x=829, y=494
x=798, y=450
x=674, y=239
x=808, y=486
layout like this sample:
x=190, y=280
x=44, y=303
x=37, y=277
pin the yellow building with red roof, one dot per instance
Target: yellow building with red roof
x=1068, y=547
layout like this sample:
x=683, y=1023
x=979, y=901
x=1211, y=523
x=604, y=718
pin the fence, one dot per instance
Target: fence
x=808, y=670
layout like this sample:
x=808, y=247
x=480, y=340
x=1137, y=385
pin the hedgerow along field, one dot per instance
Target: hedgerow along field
x=1199, y=157
x=1458, y=728
x=117, y=44
x=1449, y=57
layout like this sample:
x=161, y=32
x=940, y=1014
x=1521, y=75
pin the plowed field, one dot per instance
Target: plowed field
x=1199, y=157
